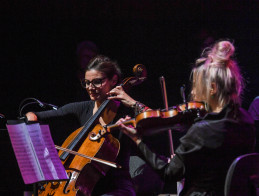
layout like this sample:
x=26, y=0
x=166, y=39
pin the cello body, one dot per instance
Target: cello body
x=83, y=173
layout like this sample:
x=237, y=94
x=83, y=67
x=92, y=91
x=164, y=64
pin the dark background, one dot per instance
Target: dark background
x=39, y=39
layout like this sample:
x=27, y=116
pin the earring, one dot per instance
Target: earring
x=211, y=92
x=212, y=95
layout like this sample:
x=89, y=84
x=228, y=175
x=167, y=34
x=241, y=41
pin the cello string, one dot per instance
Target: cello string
x=138, y=70
x=85, y=129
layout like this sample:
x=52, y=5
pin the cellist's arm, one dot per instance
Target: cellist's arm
x=31, y=116
x=118, y=93
x=140, y=107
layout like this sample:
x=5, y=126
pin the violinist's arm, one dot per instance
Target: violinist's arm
x=131, y=132
x=168, y=169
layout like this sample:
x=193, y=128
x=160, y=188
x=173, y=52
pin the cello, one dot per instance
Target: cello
x=84, y=173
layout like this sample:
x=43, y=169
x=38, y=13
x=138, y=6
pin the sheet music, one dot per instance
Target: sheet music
x=35, y=153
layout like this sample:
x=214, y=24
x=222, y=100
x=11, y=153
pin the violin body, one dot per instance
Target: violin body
x=192, y=105
x=83, y=173
x=155, y=121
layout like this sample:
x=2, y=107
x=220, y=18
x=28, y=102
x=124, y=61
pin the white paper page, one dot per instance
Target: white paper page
x=47, y=153
x=25, y=154
x=35, y=152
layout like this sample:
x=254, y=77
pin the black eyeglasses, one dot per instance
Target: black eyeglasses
x=97, y=83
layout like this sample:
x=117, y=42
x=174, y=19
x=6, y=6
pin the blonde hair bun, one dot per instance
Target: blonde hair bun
x=222, y=52
x=217, y=66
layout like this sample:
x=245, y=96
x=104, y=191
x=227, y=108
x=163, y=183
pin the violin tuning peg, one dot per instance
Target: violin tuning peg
x=182, y=91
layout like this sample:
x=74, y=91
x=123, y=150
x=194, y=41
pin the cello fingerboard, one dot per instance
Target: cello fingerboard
x=85, y=130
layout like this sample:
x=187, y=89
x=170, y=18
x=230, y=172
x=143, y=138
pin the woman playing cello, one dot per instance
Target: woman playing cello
x=101, y=76
x=215, y=140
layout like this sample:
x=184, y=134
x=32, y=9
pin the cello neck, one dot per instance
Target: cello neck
x=140, y=72
x=85, y=129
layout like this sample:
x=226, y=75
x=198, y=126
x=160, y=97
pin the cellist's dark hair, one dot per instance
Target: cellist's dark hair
x=106, y=65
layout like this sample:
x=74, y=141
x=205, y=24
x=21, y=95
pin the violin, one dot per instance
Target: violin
x=78, y=150
x=154, y=121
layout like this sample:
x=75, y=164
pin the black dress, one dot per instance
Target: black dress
x=206, y=151
x=117, y=181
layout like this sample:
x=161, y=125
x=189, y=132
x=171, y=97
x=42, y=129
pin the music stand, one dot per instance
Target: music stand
x=35, y=153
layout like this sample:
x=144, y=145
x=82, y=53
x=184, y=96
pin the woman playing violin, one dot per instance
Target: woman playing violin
x=215, y=140
x=101, y=76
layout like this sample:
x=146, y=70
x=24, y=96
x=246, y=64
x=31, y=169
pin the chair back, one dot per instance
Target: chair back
x=243, y=176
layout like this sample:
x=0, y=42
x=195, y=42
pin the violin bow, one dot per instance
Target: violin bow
x=164, y=94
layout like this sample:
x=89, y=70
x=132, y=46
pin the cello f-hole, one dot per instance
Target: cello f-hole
x=54, y=186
